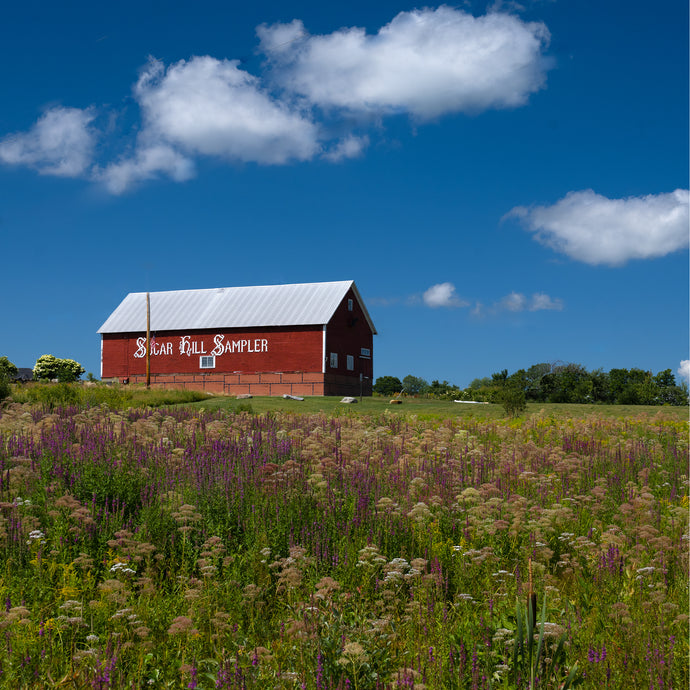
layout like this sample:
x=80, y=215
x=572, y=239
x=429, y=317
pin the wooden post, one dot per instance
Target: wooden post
x=148, y=341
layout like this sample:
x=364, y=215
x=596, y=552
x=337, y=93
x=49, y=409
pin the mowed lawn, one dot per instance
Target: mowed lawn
x=433, y=408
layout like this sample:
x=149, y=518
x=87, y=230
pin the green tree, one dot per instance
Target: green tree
x=600, y=386
x=51, y=367
x=387, y=385
x=414, y=385
x=499, y=378
x=442, y=390
x=665, y=379
x=534, y=376
x=7, y=369
x=568, y=383
x=480, y=383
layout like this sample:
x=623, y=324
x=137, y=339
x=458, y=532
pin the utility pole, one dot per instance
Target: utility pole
x=148, y=341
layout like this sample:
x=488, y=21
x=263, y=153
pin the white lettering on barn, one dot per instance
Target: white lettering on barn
x=190, y=347
x=157, y=348
x=224, y=347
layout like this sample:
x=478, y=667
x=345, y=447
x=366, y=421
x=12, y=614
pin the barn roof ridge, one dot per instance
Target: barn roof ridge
x=294, y=304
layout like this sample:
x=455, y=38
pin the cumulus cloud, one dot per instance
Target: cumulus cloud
x=589, y=227
x=684, y=369
x=442, y=295
x=147, y=163
x=426, y=62
x=61, y=143
x=212, y=107
x=311, y=95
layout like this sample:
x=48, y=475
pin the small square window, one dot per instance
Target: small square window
x=365, y=352
x=334, y=360
x=350, y=362
x=207, y=362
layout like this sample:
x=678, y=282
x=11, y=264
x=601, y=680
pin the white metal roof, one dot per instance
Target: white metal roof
x=302, y=304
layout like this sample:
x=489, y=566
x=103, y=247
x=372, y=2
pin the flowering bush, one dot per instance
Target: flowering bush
x=51, y=367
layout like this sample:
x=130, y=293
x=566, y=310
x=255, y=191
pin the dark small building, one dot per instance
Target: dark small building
x=23, y=375
x=303, y=339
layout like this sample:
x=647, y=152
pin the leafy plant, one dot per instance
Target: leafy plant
x=5, y=388
x=531, y=667
x=64, y=370
x=513, y=401
x=7, y=369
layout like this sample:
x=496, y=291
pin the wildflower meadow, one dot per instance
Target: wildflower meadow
x=183, y=548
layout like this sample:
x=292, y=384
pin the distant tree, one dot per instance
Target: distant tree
x=500, y=378
x=414, y=385
x=387, y=385
x=600, y=386
x=518, y=380
x=51, y=367
x=7, y=369
x=534, y=376
x=513, y=400
x=665, y=379
x=480, y=383
x=442, y=390
x=568, y=383
x=669, y=392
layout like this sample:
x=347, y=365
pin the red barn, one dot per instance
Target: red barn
x=304, y=339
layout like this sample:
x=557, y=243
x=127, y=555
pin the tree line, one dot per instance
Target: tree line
x=552, y=383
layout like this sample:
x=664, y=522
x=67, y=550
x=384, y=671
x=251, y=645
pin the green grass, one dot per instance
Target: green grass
x=92, y=395
x=424, y=408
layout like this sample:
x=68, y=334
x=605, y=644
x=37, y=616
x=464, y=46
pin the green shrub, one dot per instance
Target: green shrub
x=513, y=401
x=5, y=388
x=53, y=395
x=49, y=367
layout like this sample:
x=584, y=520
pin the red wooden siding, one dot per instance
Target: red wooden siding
x=346, y=334
x=258, y=350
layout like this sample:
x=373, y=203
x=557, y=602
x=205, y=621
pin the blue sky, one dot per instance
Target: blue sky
x=506, y=183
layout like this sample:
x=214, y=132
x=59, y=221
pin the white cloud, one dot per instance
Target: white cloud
x=350, y=146
x=147, y=163
x=515, y=301
x=589, y=227
x=211, y=107
x=60, y=143
x=542, y=302
x=426, y=62
x=519, y=302
x=442, y=295
x=684, y=369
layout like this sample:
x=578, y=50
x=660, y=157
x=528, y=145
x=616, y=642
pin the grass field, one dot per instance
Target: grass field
x=326, y=546
x=425, y=408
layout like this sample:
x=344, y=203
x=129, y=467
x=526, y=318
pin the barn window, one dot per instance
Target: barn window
x=334, y=360
x=365, y=352
x=350, y=362
x=207, y=362
x=349, y=305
